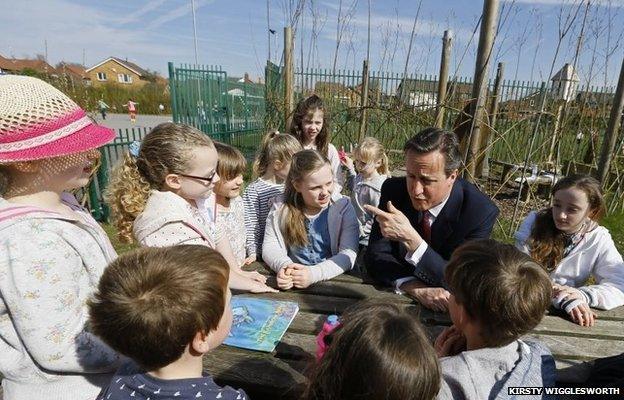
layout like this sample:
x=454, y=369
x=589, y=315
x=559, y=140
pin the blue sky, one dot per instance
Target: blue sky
x=233, y=34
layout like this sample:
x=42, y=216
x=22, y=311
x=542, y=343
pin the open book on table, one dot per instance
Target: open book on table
x=259, y=324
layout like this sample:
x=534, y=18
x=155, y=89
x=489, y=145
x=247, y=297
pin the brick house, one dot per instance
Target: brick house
x=117, y=71
x=75, y=73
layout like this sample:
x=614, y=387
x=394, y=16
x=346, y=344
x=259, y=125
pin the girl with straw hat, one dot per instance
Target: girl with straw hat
x=52, y=252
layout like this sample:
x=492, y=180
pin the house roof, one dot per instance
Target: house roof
x=16, y=64
x=131, y=66
x=566, y=73
x=74, y=69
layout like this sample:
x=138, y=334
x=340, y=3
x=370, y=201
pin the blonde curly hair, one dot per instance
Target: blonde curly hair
x=166, y=149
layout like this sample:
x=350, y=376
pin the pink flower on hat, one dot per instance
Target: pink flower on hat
x=38, y=121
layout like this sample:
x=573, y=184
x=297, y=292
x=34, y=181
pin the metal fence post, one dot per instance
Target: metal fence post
x=364, y=101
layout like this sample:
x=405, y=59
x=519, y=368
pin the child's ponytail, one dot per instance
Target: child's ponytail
x=127, y=195
x=275, y=146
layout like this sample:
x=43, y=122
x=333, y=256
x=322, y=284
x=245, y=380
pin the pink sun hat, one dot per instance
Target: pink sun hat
x=38, y=121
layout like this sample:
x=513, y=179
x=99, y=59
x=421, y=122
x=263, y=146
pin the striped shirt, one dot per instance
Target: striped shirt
x=257, y=200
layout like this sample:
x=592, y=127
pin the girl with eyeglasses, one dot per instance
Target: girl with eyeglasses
x=157, y=196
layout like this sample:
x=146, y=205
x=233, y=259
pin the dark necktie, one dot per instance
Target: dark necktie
x=425, y=226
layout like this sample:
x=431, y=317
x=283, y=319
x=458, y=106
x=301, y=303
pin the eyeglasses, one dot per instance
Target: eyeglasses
x=207, y=179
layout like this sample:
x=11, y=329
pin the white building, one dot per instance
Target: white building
x=564, y=83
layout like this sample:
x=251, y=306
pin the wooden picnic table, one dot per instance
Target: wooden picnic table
x=282, y=373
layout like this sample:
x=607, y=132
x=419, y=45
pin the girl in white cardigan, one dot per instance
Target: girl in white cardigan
x=568, y=241
x=158, y=196
x=308, y=237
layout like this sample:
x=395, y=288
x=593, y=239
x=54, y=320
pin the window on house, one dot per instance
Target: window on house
x=124, y=78
x=101, y=76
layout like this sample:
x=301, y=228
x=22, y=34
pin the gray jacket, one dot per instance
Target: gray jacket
x=488, y=373
x=362, y=193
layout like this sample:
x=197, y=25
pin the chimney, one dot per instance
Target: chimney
x=247, y=77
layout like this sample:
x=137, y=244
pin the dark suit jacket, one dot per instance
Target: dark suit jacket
x=468, y=214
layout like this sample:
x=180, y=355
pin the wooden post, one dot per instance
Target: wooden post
x=479, y=88
x=443, y=77
x=493, y=112
x=289, y=95
x=608, y=144
x=364, y=101
x=553, y=140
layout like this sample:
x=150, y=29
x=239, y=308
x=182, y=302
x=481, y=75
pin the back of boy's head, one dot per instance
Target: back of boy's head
x=379, y=352
x=232, y=162
x=275, y=146
x=502, y=289
x=151, y=302
x=166, y=149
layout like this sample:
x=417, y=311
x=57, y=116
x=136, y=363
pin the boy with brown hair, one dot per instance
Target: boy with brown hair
x=164, y=308
x=497, y=295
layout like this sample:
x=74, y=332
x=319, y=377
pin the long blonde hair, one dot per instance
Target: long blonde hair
x=275, y=147
x=166, y=149
x=370, y=150
x=293, y=227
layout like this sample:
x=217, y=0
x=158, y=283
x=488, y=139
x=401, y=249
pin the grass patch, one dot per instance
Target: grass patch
x=120, y=247
x=615, y=224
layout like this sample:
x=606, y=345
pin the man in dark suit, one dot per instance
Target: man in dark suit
x=423, y=217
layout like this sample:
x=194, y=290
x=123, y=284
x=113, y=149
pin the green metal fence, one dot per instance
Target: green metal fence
x=230, y=110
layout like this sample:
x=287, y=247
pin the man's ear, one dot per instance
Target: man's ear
x=173, y=181
x=199, y=344
x=453, y=175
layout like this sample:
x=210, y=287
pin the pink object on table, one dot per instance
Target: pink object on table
x=328, y=326
x=342, y=154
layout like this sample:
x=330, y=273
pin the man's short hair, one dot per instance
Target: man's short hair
x=151, y=302
x=501, y=288
x=436, y=139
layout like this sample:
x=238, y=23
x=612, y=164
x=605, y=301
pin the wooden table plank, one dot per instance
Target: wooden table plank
x=312, y=303
x=604, y=329
x=579, y=348
x=258, y=374
x=355, y=290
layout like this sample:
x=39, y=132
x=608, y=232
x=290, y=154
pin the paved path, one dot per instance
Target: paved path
x=122, y=121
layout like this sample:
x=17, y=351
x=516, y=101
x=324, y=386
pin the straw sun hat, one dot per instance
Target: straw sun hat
x=38, y=121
